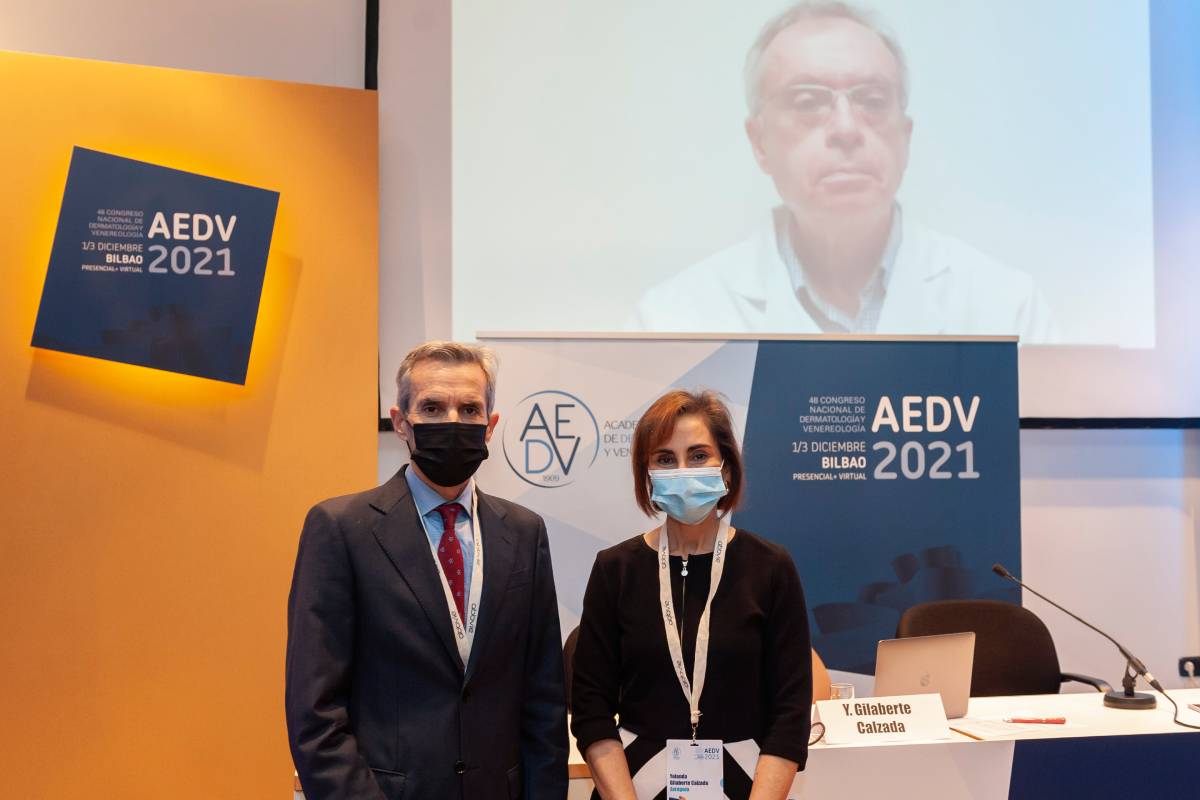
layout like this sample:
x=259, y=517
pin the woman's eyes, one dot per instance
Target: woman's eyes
x=697, y=457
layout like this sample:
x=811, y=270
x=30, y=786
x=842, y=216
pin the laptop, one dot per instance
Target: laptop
x=927, y=664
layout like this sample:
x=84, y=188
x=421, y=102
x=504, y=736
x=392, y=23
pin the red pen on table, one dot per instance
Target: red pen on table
x=1038, y=720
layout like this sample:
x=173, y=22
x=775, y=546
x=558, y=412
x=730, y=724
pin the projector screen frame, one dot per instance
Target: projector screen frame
x=431, y=327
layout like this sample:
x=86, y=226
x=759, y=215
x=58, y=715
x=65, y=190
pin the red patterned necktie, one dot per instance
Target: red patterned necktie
x=451, y=555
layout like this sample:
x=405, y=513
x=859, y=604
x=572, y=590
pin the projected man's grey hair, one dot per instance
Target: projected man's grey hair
x=816, y=9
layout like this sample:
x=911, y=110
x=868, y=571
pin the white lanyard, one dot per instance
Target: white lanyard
x=691, y=689
x=464, y=635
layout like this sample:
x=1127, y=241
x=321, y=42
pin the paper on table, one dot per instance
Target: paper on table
x=989, y=728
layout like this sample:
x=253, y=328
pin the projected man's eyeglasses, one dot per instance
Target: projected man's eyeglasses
x=813, y=102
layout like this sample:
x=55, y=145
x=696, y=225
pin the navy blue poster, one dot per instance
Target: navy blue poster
x=156, y=267
x=890, y=470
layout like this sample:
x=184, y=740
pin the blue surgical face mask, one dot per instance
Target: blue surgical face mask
x=689, y=494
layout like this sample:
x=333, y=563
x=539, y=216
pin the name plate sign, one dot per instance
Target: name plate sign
x=903, y=718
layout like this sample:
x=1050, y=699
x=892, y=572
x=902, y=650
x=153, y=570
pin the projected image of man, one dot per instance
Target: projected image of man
x=827, y=92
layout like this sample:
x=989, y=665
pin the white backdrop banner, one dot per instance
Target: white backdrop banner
x=889, y=468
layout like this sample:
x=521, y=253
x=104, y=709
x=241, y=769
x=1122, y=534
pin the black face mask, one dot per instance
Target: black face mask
x=448, y=452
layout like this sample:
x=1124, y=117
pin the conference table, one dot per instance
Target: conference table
x=1098, y=753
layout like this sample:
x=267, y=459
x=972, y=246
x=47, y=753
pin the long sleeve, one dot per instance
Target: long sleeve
x=596, y=673
x=320, y=652
x=544, y=714
x=787, y=667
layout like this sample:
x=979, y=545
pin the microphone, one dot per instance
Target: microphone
x=1134, y=666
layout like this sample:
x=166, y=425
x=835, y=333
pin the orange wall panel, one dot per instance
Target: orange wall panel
x=149, y=520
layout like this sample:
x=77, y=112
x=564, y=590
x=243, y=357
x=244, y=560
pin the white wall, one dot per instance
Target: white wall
x=415, y=180
x=309, y=41
x=1110, y=529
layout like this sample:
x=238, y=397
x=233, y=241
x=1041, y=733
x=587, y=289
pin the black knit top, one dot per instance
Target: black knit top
x=759, y=683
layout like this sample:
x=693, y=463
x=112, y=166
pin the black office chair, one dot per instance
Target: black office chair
x=1014, y=653
x=569, y=660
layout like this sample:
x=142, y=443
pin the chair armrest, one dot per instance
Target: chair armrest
x=1096, y=683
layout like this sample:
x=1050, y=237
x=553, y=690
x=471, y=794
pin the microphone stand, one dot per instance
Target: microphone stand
x=1126, y=699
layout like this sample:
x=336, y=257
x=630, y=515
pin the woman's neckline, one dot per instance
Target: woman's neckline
x=733, y=534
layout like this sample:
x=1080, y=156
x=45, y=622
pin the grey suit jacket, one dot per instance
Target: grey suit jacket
x=378, y=702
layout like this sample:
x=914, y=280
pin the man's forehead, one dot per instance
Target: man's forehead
x=840, y=52
x=436, y=377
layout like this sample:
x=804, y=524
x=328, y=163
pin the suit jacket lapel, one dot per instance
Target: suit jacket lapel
x=402, y=537
x=498, y=556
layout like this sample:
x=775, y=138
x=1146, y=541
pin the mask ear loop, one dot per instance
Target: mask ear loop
x=723, y=513
x=650, y=491
x=410, y=441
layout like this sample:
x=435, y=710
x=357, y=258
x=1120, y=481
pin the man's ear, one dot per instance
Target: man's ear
x=398, y=424
x=492, y=420
x=754, y=133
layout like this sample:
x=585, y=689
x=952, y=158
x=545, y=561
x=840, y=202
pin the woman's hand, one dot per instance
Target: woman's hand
x=773, y=778
x=610, y=770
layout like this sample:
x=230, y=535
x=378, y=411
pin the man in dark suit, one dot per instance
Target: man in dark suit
x=423, y=656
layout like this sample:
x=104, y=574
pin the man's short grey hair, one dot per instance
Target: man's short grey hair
x=816, y=9
x=446, y=353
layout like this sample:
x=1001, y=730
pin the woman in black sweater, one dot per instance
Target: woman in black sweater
x=755, y=678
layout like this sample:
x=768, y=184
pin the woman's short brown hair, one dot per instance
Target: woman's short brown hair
x=658, y=424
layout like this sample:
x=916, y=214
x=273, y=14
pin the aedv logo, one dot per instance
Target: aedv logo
x=551, y=437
